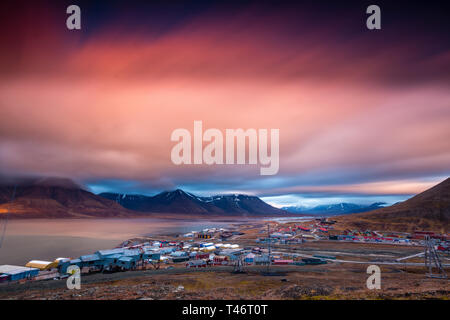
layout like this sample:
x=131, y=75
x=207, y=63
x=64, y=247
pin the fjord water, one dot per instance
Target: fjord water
x=47, y=239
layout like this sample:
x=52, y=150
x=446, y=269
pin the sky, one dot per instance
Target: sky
x=363, y=114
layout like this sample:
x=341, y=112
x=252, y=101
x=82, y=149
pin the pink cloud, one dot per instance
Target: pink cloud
x=106, y=107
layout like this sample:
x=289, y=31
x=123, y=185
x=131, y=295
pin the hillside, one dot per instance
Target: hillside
x=179, y=201
x=55, y=198
x=429, y=210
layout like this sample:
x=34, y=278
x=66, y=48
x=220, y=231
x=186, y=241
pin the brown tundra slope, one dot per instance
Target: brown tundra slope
x=429, y=210
x=55, y=198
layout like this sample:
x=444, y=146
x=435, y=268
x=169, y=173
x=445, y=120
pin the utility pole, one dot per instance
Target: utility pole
x=432, y=259
x=239, y=265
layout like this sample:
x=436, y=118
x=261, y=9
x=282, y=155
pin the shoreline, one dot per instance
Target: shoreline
x=161, y=215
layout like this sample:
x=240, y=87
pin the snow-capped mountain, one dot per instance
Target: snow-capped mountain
x=335, y=209
x=179, y=201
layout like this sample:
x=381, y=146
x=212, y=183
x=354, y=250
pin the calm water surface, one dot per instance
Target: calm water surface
x=45, y=239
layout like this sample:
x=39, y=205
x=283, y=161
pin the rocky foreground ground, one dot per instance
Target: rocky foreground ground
x=309, y=282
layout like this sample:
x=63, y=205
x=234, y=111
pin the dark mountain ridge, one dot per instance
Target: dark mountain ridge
x=55, y=198
x=179, y=201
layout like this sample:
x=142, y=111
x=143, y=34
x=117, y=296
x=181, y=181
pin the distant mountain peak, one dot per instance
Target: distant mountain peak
x=173, y=194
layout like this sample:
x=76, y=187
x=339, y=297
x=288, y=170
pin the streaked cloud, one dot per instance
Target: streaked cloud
x=356, y=116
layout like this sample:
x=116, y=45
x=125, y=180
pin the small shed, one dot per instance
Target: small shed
x=250, y=258
x=196, y=264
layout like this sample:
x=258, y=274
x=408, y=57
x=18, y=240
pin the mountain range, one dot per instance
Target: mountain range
x=62, y=198
x=334, y=209
x=179, y=201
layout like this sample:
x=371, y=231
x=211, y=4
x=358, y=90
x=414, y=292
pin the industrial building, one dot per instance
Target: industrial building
x=13, y=273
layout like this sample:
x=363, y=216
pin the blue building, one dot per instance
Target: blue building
x=14, y=273
x=154, y=256
x=106, y=253
x=92, y=260
x=62, y=267
x=126, y=263
x=109, y=260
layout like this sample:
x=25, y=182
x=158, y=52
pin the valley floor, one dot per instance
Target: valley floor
x=344, y=277
x=334, y=281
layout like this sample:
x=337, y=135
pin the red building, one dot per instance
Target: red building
x=282, y=262
x=220, y=260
